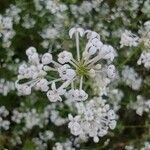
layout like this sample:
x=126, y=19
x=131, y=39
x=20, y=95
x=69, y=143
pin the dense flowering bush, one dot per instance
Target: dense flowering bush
x=75, y=74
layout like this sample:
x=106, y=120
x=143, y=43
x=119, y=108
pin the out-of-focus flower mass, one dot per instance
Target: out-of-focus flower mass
x=75, y=74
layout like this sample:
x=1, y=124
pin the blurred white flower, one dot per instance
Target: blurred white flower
x=129, y=39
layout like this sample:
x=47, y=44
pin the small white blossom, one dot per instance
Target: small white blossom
x=129, y=39
x=23, y=89
x=111, y=72
x=4, y=123
x=145, y=34
x=141, y=105
x=66, y=145
x=42, y=85
x=131, y=78
x=17, y=116
x=77, y=95
x=144, y=59
x=64, y=57
x=46, y=58
x=6, y=86
x=54, y=94
x=75, y=30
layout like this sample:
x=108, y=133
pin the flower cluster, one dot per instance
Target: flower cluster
x=131, y=78
x=40, y=142
x=145, y=34
x=77, y=76
x=6, y=30
x=6, y=25
x=50, y=5
x=4, y=124
x=115, y=96
x=6, y=86
x=145, y=146
x=141, y=105
x=67, y=145
x=129, y=39
x=32, y=118
x=94, y=118
x=70, y=71
x=144, y=59
x=47, y=34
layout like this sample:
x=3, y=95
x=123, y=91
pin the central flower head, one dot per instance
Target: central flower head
x=72, y=71
x=82, y=69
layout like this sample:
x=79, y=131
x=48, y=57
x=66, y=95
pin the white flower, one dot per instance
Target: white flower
x=74, y=125
x=6, y=30
x=129, y=39
x=76, y=30
x=145, y=34
x=64, y=57
x=42, y=85
x=107, y=52
x=144, y=59
x=33, y=58
x=111, y=71
x=92, y=35
x=22, y=69
x=141, y=105
x=131, y=78
x=77, y=95
x=66, y=73
x=146, y=146
x=6, y=86
x=94, y=119
x=23, y=89
x=31, y=119
x=17, y=116
x=54, y=94
x=30, y=51
x=93, y=46
x=46, y=58
x=7, y=22
x=4, y=124
x=96, y=139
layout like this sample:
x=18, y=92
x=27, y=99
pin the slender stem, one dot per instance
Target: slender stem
x=56, y=80
x=73, y=60
x=96, y=58
x=56, y=63
x=93, y=61
x=65, y=84
x=77, y=45
x=73, y=64
x=47, y=68
x=86, y=59
x=34, y=83
x=72, y=85
x=81, y=82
